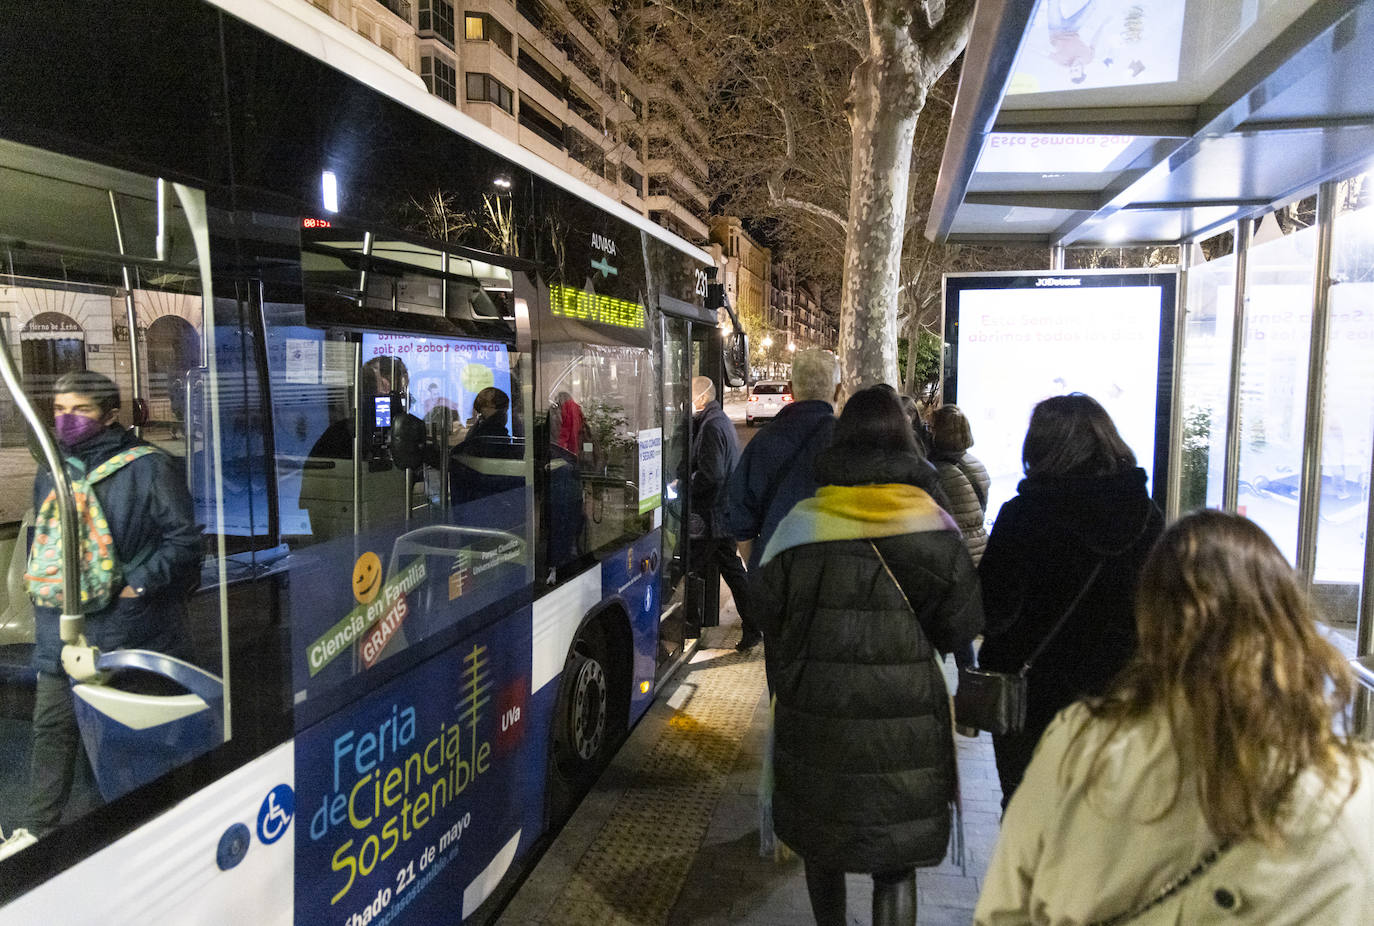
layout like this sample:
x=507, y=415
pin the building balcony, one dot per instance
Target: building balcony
x=529, y=87
x=400, y=7
x=486, y=58
x=667, y=170
x=491, y=115
x=680, y=214
x=532, y=140
x=666, y=131
x=677, y=111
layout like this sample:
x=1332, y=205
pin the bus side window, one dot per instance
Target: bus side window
x=599, y=406
x=115, y=246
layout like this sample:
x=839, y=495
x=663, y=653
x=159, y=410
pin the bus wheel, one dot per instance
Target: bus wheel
x=582, y=736
x=587, y=715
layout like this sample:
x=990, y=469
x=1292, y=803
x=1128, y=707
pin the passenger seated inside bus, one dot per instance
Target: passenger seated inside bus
x=488, y=460
x=490, y=410
x=143, y=497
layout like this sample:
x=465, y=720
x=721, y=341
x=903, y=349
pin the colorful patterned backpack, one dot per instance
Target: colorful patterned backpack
x=102, y=575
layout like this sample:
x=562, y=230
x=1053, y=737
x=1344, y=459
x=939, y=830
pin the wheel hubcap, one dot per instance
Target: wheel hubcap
x=589, y=709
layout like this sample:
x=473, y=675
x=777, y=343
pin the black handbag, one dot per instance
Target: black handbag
x=992, y=701
x=996, y=701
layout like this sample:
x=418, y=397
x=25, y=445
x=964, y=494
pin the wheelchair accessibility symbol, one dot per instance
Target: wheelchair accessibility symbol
x=274, y=817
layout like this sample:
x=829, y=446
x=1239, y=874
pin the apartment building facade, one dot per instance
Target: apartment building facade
x=746, y=269
x=797, y=308
x=781, y=311
x=554, y=77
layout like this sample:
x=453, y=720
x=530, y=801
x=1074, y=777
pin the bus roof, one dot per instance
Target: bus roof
x=1101, y=124
x=318, y=34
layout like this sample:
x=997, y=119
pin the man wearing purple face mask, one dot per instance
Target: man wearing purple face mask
x=159, y=547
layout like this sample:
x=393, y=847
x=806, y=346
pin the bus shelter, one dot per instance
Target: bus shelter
x=1243, y=133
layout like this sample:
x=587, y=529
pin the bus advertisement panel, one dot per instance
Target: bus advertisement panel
x=420, y=796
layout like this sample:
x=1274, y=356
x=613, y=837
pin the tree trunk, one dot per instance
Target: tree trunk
x=886, y=95
x=885, y=100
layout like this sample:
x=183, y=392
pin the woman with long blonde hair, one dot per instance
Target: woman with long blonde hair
x=1211, y=782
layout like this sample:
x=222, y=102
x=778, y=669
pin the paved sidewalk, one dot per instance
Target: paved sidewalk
x=670, y=837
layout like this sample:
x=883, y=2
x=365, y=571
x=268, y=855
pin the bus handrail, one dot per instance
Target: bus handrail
x=72, y=623
x=1363, y=667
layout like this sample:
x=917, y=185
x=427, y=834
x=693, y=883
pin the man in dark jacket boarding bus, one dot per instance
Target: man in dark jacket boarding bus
x=143, y=498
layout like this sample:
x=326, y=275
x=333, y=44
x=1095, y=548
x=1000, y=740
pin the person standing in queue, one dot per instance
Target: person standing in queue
x=154, y=531
x=965, y=481
x=1074, y=537
x=860, y=587
x=705, y=471
x=777, y=468
x=1213, y=783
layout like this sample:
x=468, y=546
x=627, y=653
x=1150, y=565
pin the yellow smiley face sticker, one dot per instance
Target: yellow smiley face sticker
x=367, y=577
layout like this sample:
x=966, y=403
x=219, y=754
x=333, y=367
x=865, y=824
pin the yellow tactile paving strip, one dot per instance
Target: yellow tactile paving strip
x=634, y=869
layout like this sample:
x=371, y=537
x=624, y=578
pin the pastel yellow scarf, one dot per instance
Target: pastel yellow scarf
x=858, y=513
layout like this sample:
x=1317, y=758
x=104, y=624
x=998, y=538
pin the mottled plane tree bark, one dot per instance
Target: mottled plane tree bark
x=908, y=48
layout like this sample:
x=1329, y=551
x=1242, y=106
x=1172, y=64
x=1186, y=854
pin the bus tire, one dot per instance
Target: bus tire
x=582, y=724
x=591, y=716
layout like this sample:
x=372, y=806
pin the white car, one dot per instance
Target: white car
x=766, y=399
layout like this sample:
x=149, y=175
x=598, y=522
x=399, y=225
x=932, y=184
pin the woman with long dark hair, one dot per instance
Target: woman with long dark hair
x=1210, y=783
x=1068, y=546
x=860, y=586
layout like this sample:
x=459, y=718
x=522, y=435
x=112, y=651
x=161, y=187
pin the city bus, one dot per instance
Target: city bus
x=430, y=399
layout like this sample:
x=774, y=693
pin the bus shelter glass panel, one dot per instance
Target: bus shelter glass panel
x=1205, y=379
x=81, y=243
x=1273, y=399
x=1349, y=408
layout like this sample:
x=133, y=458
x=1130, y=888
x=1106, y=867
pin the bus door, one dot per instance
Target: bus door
x=690, y=347
x=105, y=275
x=693, y=344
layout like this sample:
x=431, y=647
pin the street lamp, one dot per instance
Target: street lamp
x=791, y=350
x=767, y=343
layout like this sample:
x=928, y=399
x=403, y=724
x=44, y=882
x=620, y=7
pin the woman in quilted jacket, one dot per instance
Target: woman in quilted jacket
x=964, y=479
x=861, y=586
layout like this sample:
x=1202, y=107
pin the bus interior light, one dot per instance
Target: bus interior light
x=329, y=191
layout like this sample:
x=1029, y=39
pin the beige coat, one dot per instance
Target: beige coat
x=1068, y=858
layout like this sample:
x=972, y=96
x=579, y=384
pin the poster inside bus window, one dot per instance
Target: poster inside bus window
x=443, y=372
x=1018, y=338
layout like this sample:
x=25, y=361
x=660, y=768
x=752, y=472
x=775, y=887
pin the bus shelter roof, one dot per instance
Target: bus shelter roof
x=1104, y=122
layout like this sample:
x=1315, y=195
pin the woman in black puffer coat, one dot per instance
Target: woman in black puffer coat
x=1083, y=503
x=863, y=762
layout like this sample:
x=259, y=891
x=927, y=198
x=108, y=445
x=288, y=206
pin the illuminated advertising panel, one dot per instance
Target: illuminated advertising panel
x=1091, y=44
x=1022, y=337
